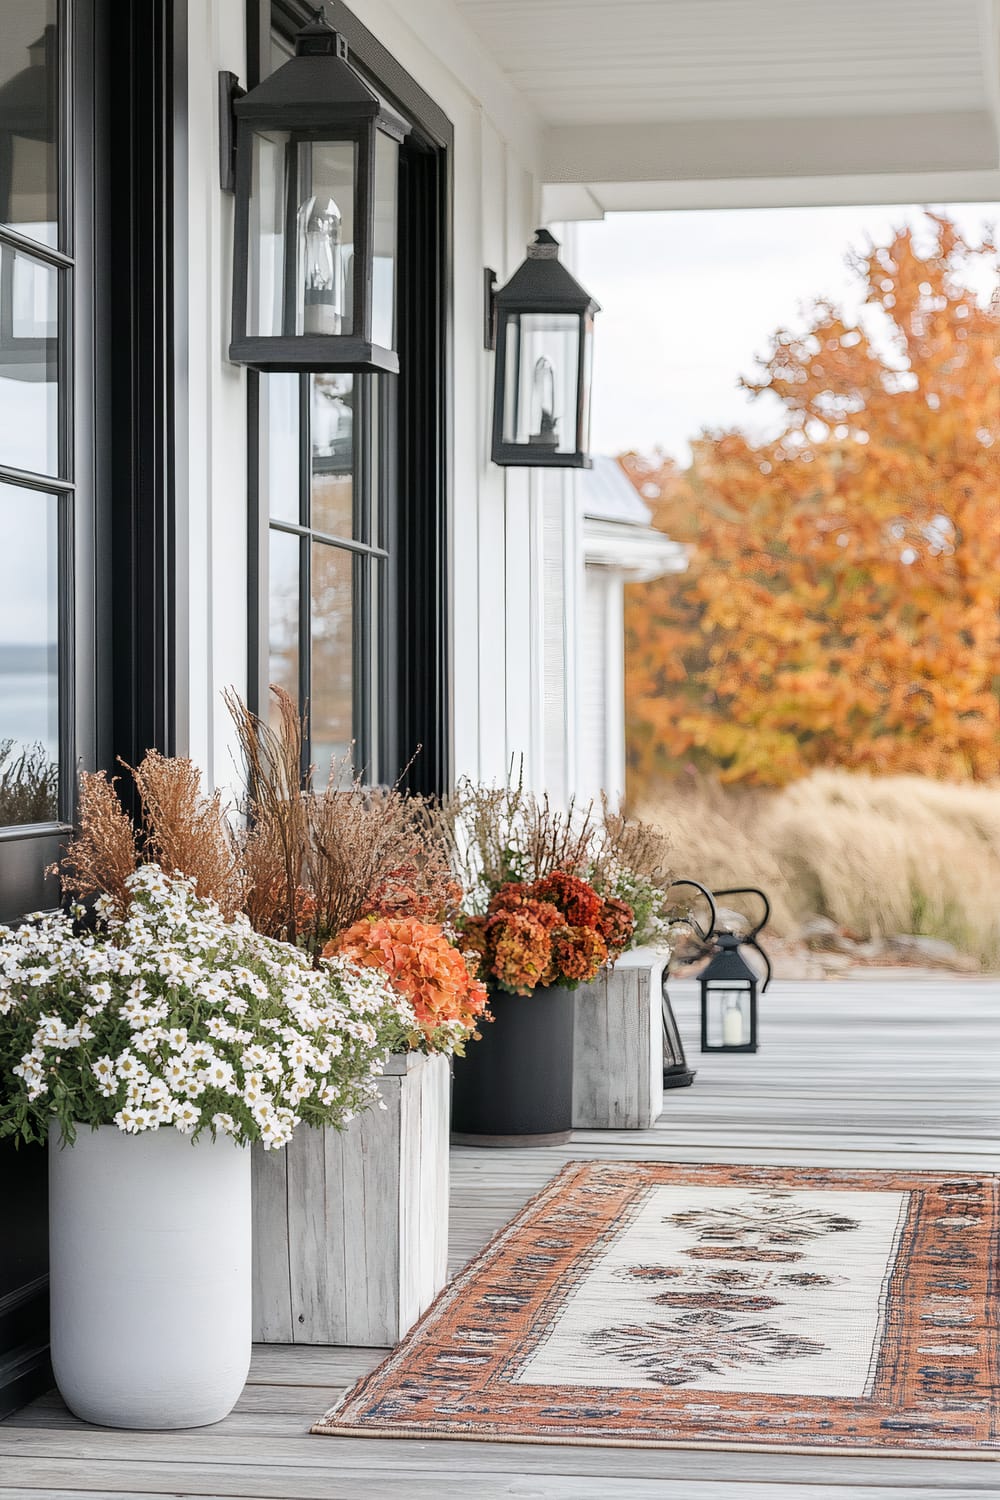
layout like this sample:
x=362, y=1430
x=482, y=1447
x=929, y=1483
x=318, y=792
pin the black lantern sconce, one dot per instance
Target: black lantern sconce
x=729, y=986
x=541, y=325
x=315, y=172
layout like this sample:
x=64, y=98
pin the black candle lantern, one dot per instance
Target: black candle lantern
x=317, y=161
x=542, y=326
x=729, y=987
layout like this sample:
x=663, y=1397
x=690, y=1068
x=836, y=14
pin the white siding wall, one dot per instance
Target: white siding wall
x=516, y=555
x=601, y=669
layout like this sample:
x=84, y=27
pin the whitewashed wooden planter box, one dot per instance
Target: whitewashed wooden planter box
x=618, y=1046
x=350, y=1239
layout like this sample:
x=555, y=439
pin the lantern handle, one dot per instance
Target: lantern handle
x=696, y=885
x=750, y=890
x=750, y=940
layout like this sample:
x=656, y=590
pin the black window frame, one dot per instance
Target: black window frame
x=415, y=711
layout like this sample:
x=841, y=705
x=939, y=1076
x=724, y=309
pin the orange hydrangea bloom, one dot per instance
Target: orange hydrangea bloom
x=423, y=965
x=519, y=950
x=579, y=902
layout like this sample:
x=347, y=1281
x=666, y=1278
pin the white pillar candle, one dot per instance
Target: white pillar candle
x=733, y=1032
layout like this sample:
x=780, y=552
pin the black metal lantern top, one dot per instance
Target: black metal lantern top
x=543, y=321
x=316, y=199
x=728, y=966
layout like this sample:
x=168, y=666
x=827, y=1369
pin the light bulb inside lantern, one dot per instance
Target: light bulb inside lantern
x=320, y=258
x=543, y=403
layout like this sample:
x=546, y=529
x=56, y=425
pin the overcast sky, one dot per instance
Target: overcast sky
x=690, y=298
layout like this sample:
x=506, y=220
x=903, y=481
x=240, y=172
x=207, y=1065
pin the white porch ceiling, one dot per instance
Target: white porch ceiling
x=670, y=103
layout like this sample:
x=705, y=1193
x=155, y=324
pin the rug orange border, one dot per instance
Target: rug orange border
x=503, y=1301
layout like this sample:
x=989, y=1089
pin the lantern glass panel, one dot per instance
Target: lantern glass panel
x=384, y=260
x=265, y=285
x=728, y=1016
x=302, y=207
x=542, y=381
x=324, y=217
x=588, y=375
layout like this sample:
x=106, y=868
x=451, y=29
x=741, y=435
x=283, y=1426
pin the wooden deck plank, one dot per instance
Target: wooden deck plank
x=226, y=1446
x=251, y=1482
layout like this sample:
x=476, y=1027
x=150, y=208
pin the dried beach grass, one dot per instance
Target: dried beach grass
x=186, y=830
x=316, y=861
x=104, y=852
x=500, y=833
x=877, y=855
x=182, y=830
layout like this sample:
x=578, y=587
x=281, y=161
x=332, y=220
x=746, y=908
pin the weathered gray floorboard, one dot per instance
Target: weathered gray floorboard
x=895, y=1073
x=247, y=1482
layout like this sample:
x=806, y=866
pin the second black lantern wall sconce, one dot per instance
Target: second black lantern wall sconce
x=541, y=325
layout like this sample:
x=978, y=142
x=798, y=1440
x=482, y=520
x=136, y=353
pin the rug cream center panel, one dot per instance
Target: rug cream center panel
x=804, y=1272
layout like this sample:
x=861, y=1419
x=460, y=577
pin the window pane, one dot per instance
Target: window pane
x=333, y=455
x=29, y=415
x=332, y=696
x=29, y=656
x=28, y=93
x=325, y=234
x=279, y=439
x=283, y=632
x=542, y=362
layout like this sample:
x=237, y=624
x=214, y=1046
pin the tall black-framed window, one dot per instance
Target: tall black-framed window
x=54, y=410
x=348, y=490
x=45, y=443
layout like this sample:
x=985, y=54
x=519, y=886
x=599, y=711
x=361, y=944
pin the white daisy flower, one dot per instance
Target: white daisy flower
x=186, y=1117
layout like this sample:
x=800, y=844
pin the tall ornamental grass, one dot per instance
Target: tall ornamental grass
x=879, y=855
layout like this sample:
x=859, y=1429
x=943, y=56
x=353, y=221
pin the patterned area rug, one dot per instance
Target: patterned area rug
x=652, y=1305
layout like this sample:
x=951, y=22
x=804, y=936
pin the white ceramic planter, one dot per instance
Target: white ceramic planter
x=618, y=1046
x=150, y=1267
x=351, y=1227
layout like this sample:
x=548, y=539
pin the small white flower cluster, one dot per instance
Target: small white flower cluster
x=647, y=899
x=174, y=1016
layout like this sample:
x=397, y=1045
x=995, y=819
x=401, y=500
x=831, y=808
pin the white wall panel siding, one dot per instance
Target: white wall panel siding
x=211, y=496
x=469, y=513
x=593, y=731
x=555, y=612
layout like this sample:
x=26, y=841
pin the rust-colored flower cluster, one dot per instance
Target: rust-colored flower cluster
x=425, y=966
x=554, y=931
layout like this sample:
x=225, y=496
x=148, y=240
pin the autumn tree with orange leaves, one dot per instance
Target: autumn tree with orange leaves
x=842, y=606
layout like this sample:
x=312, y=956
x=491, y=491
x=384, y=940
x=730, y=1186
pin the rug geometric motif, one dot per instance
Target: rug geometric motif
x=650, y=1304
